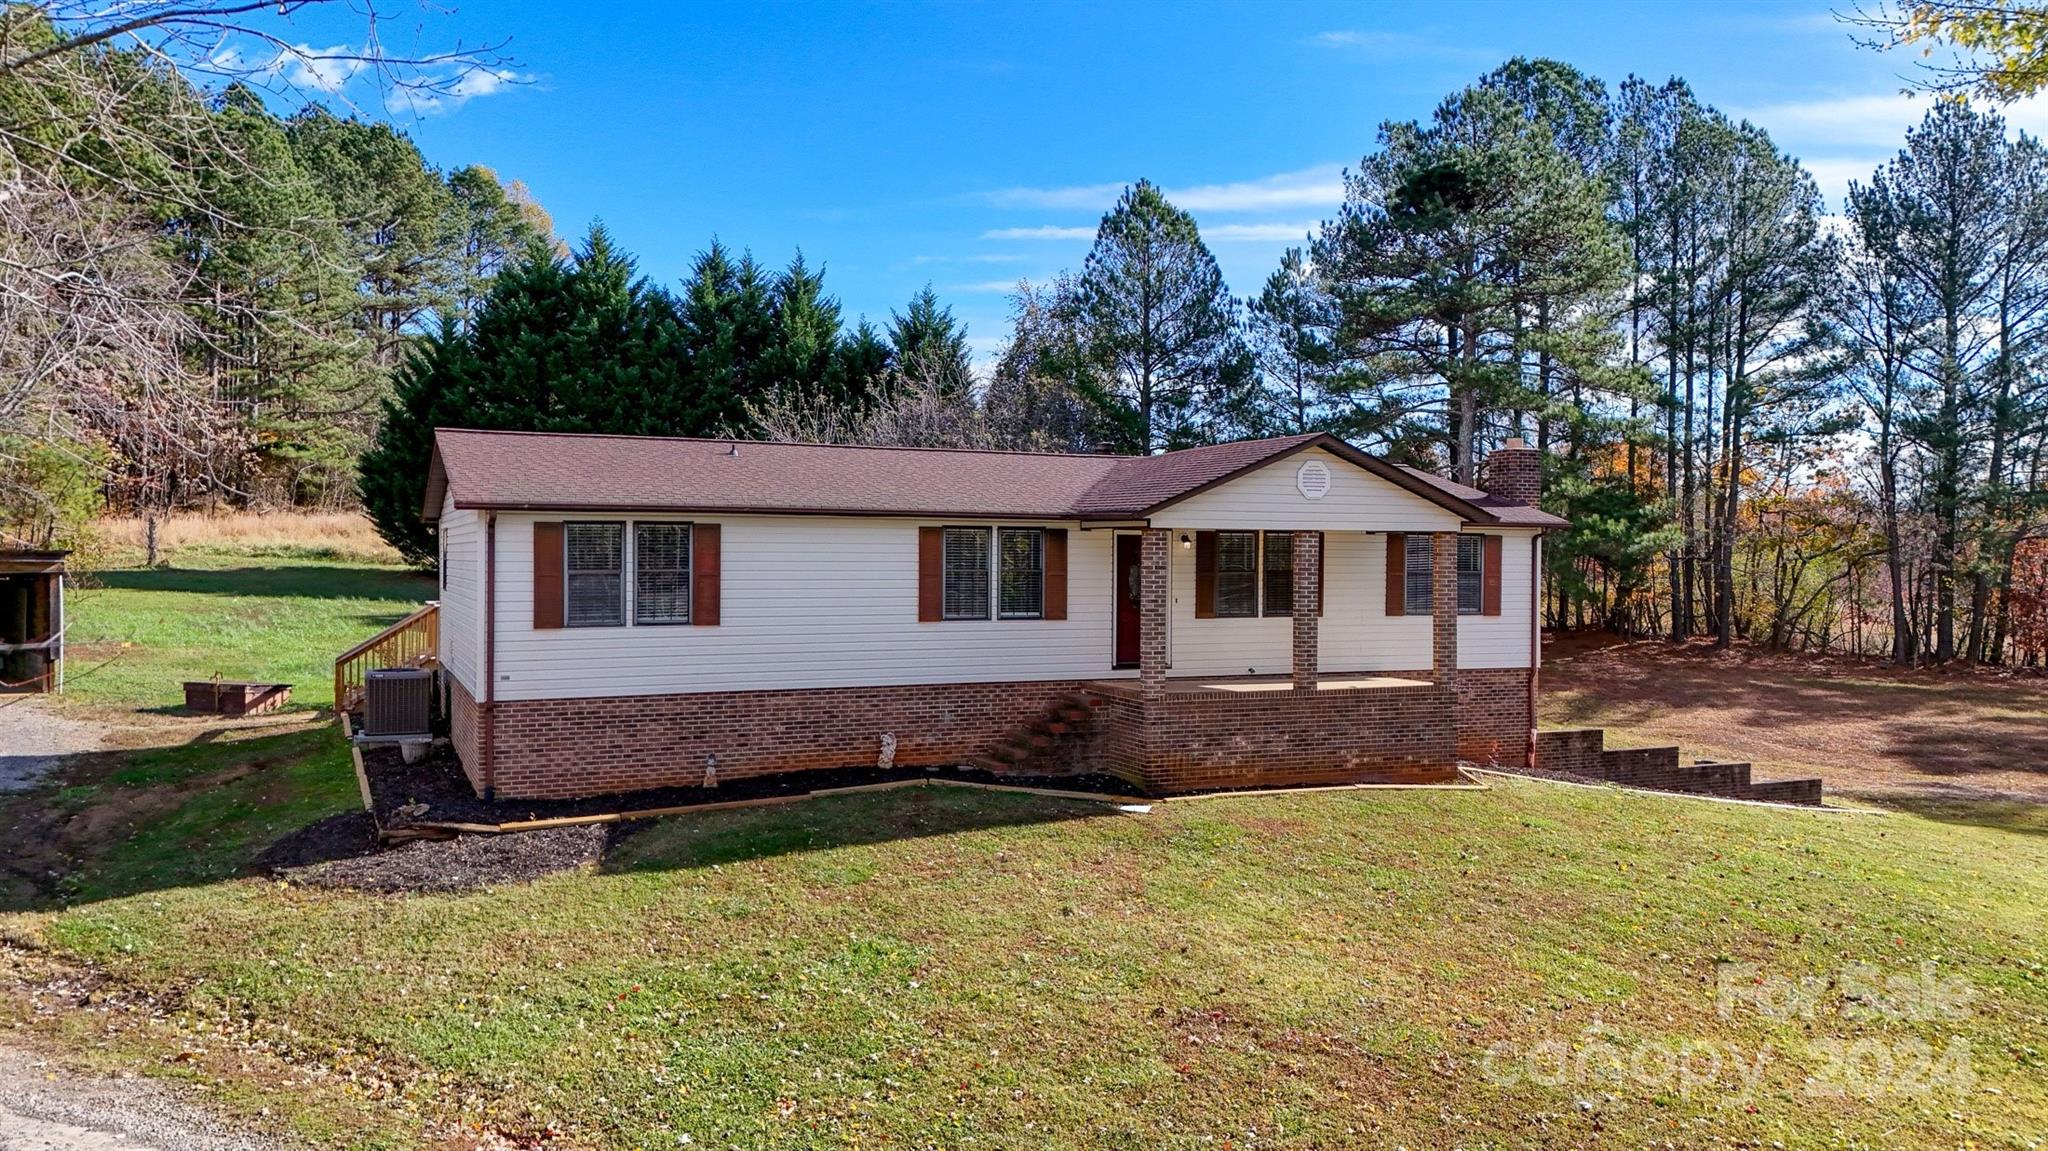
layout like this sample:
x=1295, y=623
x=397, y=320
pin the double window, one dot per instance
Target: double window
x=994, y=571
x=1419, y=577
x=1254, y=574
x=597, y=559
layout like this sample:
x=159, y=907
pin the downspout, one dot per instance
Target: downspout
x=1535, y=636
x=491, y=655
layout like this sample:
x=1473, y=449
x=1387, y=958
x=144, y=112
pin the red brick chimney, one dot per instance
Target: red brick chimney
x=1513, y=471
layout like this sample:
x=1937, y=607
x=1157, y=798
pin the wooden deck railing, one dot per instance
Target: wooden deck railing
x=411, y=642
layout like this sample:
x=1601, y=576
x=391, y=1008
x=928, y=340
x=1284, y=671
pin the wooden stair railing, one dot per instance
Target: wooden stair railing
x=414, y=641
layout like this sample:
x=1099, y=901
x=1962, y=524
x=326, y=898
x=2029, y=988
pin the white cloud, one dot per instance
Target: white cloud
x=322, y=69
x=984, y=287
x=1379, y=44
x=1042, y=232
x=1260, y=233
x=484, y=82
x=1844, y=138
x=1320, y=186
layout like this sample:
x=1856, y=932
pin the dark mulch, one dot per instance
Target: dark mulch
x=465, y=863
x=345, y=836
x=437, y=782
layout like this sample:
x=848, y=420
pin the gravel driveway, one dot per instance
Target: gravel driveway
x=34, y=739
x=43, y=1109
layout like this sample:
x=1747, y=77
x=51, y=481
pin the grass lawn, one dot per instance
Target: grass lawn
x=274, y=614
x=1531, y=966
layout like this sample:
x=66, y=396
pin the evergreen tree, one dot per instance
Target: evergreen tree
x=579, y=345
x=927, y=344
x=727, y=324
x=1291, y=327
x=1157, y=326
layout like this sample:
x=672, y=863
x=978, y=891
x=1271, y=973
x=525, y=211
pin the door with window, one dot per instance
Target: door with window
x=1129, y=575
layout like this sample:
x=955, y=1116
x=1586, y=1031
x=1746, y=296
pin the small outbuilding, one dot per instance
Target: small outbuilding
x=31, y=620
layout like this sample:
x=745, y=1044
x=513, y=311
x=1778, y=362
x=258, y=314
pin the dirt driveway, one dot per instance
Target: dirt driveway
x=35, y=740
x=1863, y=727
x=45, y=1109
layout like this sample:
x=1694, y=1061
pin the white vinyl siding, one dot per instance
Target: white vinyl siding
x=1267, y=499
x=805, y=601
x=1503, y=640
x=1356, y=633
x=462, y=568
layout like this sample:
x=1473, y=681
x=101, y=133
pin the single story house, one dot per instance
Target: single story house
x=622, y=612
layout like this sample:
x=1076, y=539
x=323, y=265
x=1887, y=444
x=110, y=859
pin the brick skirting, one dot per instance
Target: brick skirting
x=1583, y=752
x=1199, y=741
x=563, y=748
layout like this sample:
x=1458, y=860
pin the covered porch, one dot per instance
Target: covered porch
x=1171, y=729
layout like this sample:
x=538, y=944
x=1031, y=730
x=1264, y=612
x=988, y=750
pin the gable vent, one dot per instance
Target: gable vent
x=1313, y=479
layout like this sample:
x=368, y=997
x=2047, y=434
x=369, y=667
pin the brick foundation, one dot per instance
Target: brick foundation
x=1196, y=741
x=1177, y=741
x=465, y=730
x=562, y=748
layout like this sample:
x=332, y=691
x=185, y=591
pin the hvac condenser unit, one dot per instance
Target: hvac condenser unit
x=398, y=702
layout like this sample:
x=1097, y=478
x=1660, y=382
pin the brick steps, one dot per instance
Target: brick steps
x=1032, y=747
x=1584, y=752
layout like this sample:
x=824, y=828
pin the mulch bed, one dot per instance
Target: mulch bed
x=400, y=790
x=465, y=863
x=345, y=836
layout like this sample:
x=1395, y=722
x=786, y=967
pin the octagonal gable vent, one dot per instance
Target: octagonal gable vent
x=1313, y=478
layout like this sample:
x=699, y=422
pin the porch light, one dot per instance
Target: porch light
x=1186, y=540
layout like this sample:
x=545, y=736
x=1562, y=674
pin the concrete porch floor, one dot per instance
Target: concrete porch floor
x=1240, y=685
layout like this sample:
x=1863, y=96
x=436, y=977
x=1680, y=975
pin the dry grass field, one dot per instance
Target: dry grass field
x=1904, y=737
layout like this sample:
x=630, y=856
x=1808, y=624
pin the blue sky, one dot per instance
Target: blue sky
x=971, y=145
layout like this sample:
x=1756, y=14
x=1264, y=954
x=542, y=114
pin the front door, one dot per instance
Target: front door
x=1129, y=569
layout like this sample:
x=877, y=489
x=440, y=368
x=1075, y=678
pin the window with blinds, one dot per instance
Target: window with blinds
x=1237, y=573
x=1419, y=574
x=594, y=570
x=1022, y=573
x=1279, y=573
x=966, y=566
x=1471, y=574
x=661, y=573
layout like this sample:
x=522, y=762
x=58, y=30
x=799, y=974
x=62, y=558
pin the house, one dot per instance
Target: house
x=625, y=612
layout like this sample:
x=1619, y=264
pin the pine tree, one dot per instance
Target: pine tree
x=1157, y=326
x=927, y=344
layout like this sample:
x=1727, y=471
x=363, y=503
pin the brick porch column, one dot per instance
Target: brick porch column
x=1308, y=565
x=1443, y=600
x=1152, y=607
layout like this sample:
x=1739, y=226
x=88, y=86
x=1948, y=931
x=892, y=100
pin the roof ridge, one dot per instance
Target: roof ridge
x=728, y=441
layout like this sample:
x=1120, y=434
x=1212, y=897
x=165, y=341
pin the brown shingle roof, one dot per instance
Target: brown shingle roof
x=1503, y=511
x=546, y=471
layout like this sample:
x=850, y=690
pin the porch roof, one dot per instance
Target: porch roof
x=547, y=471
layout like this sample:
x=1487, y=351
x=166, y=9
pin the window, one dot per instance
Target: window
x=1022, y=551
x=1279, y=573
x=1416, y=581
x=595, y=566
x=1237, y=573
x=661, y=573
x=966, y=573
x=1471, y=576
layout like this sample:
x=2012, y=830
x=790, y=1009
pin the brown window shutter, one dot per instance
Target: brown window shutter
x=1489, y=579
x=548, y=596
x=704, y=573
x=1055, y=573
x=1322, y=565
x=931, y=574
x=1397, y=574
x=1205, y=575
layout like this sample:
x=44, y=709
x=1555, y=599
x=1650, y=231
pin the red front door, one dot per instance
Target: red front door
x=1129, y=565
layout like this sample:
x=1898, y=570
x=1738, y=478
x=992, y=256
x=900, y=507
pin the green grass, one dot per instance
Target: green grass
x=931, y=968
x=138, y=634
x=934, y=968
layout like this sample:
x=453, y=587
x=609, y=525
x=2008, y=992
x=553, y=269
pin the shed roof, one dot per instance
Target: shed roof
x=552, y=471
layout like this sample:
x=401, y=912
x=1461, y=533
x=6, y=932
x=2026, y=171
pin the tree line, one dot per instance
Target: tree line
x=202, y=300
x=1767, y=416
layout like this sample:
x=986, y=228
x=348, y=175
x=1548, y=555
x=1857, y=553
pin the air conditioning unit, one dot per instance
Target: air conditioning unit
x=398, y=702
